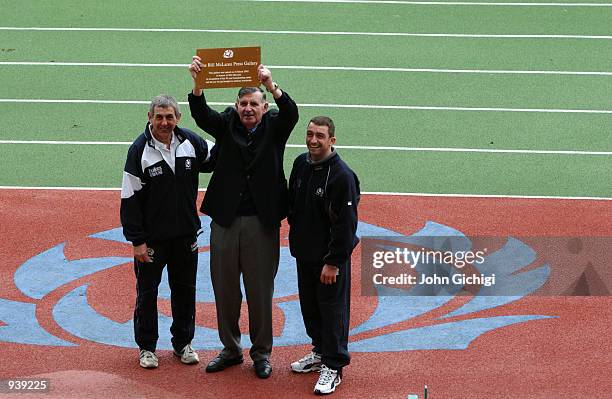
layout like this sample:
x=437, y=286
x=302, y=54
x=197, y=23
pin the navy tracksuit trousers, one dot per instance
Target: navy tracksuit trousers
x=325, y=309
x=181, y=256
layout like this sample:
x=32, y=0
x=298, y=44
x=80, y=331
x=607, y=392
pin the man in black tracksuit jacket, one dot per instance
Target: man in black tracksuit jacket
x=323, y=197
x=159, y=217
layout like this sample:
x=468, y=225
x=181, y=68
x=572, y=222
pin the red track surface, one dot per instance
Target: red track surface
x=568, y=356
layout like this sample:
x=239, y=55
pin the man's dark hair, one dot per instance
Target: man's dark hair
x=248, y=90
x=325, y=121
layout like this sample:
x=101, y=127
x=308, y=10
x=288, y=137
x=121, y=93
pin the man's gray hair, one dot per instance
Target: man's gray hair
x=164, y=101
x=248, y=90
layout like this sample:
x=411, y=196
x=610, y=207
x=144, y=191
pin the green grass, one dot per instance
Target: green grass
x=501, y=130
x=223, y=14
x=329, y=87
x=357, y=51
x=520, y=174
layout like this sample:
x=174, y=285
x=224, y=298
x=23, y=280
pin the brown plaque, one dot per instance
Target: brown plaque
x=228, y=67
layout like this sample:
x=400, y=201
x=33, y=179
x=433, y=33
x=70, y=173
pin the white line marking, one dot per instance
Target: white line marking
x=487, y=196
x=59, y=188
x=344, y=147
x=102, y=64
x=437, y=70
x=357, y=106
x=60, y=142
x=42, y=100
x=483, y=109
x=481, y=150
x=317, y=68
x=363, y=193
x=297, y=32
x=440, y=3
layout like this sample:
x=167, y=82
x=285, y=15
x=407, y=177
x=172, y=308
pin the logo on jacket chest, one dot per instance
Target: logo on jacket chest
x=187, y=164
x=156, y=171
x=319, y=192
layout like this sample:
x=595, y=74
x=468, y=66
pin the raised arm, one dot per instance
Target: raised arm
x=265, y=77
x=207, y=119
x=288, y=114
x=194, y=68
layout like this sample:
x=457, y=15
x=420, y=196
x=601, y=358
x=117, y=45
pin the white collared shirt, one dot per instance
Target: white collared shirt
x=169, y=155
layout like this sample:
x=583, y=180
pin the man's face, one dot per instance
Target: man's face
x=163, y=121
x=318, y=141
x=251, y=107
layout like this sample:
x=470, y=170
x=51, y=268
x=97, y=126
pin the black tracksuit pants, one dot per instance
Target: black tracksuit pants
x=325, y=309
x=181, y=256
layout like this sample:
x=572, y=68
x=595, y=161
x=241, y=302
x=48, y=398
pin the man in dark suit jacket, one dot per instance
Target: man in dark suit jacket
x=246, y=199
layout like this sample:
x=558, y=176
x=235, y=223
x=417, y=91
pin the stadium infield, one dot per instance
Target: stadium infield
x=485, y=119
x=77, y=332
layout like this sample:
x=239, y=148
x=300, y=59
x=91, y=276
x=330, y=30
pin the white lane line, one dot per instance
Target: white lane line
x=345, y=147
x=42, y=100
x=297, y=32
x=61, y=188
x=356, y=106
x=471, y=109
x=467, y=150
x=487, y=196
x=65, y=142
x=440, y=3
x=314, y=68
x=437, y=70
x=101, y=64
x=452, y=195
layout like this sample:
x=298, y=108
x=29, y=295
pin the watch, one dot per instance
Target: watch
x=274, y=87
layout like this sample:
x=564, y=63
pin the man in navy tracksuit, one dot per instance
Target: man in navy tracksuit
x=159, y=217
x=323, y=195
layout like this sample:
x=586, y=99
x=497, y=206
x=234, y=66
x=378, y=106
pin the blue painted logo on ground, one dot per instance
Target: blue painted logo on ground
x=49, y=270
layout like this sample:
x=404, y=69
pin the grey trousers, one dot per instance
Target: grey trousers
x=250, y=249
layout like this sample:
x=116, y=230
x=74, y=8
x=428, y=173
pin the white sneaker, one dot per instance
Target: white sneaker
x=310, y=362
x=328, y=381
x=188, y=355
x=148, y=360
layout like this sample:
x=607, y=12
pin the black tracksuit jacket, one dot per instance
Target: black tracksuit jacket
x=157, y=204
x=323, y=201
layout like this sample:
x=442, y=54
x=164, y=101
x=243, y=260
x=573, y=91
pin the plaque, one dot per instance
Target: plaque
x=228, y=67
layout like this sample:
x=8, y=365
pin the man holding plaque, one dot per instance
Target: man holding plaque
x=247, y=198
